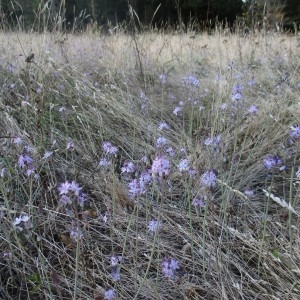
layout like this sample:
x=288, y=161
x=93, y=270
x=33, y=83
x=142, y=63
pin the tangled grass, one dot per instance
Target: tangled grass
x=160, y=168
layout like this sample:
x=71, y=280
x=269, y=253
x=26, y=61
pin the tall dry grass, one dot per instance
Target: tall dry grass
x=79, y=91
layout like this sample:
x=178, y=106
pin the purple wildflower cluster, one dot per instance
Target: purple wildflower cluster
x=70, y=193
x=161, y=167
x=110, y=294
x=272, y=161
x=115, y=267
x=169, y=267
x=208, y=179
x=237, y=93
x=109, y=152
x=190, y=81
x=214, y=142
x=22, y=223
x=295, y=132
x=198, y=201
x=153, y=225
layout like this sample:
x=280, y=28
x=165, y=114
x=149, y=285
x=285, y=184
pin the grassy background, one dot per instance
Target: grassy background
x=88, y=89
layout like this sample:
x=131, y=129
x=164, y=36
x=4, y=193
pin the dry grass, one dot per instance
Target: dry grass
x=89, y=89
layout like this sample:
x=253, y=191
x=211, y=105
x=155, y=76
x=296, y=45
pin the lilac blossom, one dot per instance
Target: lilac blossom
x=24, y=161
x=153, y=225
x=160, y=166
x=22, y=222
x=76, y=234
x=104, y=162
x=209, y=179
x=213, y=141
x=295, y=132
x=18, y=141
x=134, y=188
x=69, y=191
x=237, y=92
x=128, y=167
x=224, y=106
x=144, y=180
x=170, y=151
x=47, y=154
x=249, y=193
x=115, y=273
x=163, y=125
x=161, y=142
x=169, y=267
x=176, y=110
x=183, y=165
x=253, y=109
x=110, y=294
x=70, y=146
x=108, y=148
x=198, y=201
x=163, y=78
x=271, y=162
x=190, y=81
x=115, y=260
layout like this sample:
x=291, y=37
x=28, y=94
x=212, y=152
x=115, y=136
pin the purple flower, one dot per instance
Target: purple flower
x=64, y=188
x=183, y=165
x=213, y=141
x=298, y=173
x=76, y=234
x=161, y=142
x=24, y=160
x=160, y=167
x=190, y=81
x=177, y=110
x=81, y=198
x=163, y=78
x=134, y=188
x=21, y=219
x=30, y=171
x=115, y=273
x=295, y=131
x=17, y=141
x=47, y=154
x=209, y=179
x=236, y=97
x=169, y=267
x=144, y=179
x=153, y=225
x=253, y=109
x=110, y=294
x=224, y=106
x=104, y=162
x=237, y=92
x=249, y=193
x=170, y=151
x=70, y=146
x=115, y=260
x=108, y=148
x=198, y=201
x=74, y=187
x=64, y=200
x=128, y=167
x=163, y=125
x=271, y=162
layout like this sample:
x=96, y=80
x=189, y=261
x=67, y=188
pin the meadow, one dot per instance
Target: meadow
x=153, y=166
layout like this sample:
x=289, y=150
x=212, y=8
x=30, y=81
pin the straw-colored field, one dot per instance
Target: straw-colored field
x=156, y=166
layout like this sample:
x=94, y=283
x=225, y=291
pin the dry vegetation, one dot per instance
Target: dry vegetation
x=237, y=117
